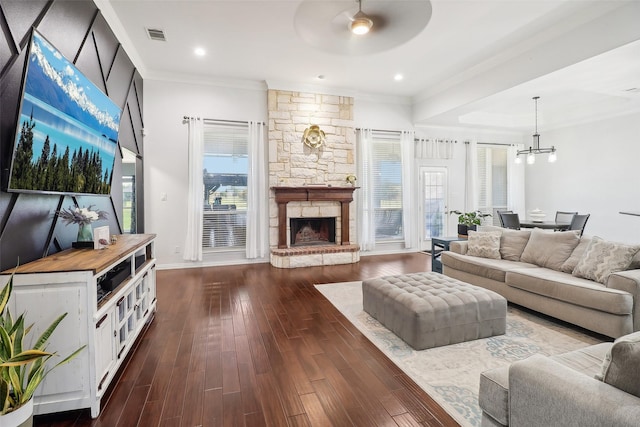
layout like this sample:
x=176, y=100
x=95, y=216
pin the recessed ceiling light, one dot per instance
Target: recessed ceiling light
x=398, y=77
x=199, y=51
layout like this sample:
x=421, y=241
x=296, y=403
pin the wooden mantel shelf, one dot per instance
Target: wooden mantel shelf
x=313, y=193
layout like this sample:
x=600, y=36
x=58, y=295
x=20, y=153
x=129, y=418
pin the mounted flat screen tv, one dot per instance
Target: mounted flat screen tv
x=67, y=132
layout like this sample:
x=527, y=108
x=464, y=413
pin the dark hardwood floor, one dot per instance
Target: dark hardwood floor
x=254, y=345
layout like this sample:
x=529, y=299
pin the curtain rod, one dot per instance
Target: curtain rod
x=217, y=120
x=455, y=141
x=381, y=130
x=493, y=143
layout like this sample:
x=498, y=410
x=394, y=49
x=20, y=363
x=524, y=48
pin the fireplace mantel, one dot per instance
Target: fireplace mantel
x=315, y=193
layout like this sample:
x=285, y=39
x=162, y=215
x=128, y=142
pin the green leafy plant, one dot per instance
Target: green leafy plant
x=22, y=370
x=470, y=218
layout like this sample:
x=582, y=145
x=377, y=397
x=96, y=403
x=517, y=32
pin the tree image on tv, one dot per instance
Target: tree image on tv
x=80, y=172
x=67, y=133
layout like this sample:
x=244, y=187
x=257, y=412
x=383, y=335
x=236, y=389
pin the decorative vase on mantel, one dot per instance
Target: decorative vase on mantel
x=85, y=232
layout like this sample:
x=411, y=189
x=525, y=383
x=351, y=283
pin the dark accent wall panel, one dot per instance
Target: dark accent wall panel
x=120, y=77
x=69, y=41
x=26, y=232
x=89, y=64
x=106, y=44
x=21, y=15
x=29, y=227
x=10, y=85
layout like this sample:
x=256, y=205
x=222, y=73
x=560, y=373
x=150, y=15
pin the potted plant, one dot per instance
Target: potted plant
x=21, y=369
x=468, y=220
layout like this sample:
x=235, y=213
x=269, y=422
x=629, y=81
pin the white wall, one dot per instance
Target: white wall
x=596, y=173
x=166, y=151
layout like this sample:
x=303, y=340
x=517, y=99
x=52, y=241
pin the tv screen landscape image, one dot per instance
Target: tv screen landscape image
x=67, y=132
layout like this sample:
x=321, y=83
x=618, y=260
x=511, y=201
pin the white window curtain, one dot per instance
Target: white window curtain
x=515, y=181
x=257, y=211
x=193, y=239
x=365, y=212
x=471, y=175
x=434, y=148
x=408, y=221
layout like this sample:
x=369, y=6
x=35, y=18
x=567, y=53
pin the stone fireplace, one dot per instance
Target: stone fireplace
x=309, y=182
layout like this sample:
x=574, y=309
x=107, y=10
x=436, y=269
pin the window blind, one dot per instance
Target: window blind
x=225, y=163
x=386, y=170
x=492, y=179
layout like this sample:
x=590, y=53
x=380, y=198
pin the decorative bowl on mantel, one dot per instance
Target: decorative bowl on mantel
x=537, y=215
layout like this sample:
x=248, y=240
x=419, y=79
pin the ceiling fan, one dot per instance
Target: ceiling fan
x=328, y=25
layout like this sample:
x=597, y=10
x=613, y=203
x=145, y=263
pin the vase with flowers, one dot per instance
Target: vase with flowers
x=351, y=179
x=83, y=217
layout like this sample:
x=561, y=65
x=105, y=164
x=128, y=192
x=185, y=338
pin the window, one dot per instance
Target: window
x=492, y=180
x=386, y=172
x=226, y=165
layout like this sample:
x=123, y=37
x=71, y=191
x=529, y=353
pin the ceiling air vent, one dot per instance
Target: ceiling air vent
x=156, y=34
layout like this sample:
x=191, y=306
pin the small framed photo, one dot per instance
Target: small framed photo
x=101, y=237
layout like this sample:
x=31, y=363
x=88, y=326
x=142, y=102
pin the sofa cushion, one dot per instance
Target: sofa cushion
x=512, y=243
x=493, y=396
x=549, y=249
x=601, y=258
x=621, y=366
x=576, y=255
x=574, y=290
x=494, y=269
x=586, y=360
x=484, y=244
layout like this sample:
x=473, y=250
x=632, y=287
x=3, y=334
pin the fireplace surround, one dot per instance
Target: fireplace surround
x=290, y=254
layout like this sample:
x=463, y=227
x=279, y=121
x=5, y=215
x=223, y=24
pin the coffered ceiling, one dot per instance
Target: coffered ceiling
x=464, y=62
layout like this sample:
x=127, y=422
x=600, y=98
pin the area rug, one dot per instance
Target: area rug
x=451, y=374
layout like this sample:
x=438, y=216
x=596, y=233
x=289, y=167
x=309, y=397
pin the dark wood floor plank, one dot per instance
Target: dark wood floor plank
x=151, y=413
x=233, y=415
x=131, y=412
x=194, y=399
x=174, y=402
x=315, y=412
x=253, y=345
x=213, y=408
x=270, y=401
x=230, y=378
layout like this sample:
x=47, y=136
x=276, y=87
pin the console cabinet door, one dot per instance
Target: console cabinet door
x=105, y=348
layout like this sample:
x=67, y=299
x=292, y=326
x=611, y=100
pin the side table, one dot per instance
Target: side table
x=439, y=244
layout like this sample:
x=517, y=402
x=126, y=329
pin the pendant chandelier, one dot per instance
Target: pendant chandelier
x=535, y=148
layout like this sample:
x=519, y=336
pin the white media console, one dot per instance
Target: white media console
x=109, y=295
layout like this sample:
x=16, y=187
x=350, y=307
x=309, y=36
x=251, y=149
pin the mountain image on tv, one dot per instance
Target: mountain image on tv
x=67, y=132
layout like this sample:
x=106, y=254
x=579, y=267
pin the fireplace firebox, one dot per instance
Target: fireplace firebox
x=312, y=231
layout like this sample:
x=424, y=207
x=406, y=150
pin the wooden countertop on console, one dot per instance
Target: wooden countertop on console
x=94, y=260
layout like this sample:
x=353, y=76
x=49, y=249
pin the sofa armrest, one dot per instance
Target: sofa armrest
x=459, y=247
x=628, y=281
x=542, y=392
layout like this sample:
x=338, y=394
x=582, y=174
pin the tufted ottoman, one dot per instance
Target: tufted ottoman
x=431, y=310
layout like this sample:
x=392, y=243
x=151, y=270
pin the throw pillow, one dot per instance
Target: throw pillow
x=621, y=365
x=601, y=258
x=485, y=244
x=512, y=243
x=550, y=249
x=576, y=255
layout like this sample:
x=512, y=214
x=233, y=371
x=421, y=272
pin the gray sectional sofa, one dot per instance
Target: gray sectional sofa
x=591, y=387
x=586, y=281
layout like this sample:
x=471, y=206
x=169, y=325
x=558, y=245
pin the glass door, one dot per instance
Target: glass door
x=433, y=207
